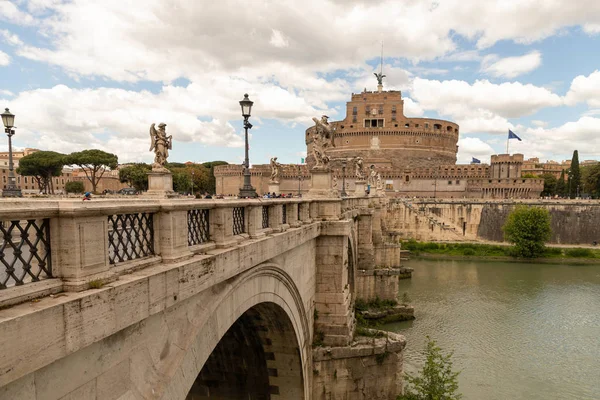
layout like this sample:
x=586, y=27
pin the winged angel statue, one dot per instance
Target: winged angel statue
x=160, y=144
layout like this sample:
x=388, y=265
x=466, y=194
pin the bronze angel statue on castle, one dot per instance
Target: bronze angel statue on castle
x=161, y=144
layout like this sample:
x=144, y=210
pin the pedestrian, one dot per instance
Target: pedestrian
x=87, y=196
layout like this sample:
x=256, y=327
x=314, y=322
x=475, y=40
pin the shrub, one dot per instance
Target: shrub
x=436, y=380
x=74, y=187
x=469, y=252
x=587, y=253
x=528, y=228
x=430, y=246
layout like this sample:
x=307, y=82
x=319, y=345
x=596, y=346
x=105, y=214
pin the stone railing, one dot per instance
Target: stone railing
x=52, y=246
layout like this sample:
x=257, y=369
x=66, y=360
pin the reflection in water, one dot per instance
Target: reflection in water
x=518, y=331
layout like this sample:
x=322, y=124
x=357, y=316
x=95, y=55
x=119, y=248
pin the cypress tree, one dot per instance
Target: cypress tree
x=575, y=175
x=560, y=184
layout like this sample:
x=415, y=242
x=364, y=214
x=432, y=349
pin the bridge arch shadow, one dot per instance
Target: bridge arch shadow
x=256, y=358
x=253, y=341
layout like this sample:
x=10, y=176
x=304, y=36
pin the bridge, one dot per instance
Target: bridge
x=194, y=299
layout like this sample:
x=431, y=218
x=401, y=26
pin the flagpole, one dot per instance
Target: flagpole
x=507, y=142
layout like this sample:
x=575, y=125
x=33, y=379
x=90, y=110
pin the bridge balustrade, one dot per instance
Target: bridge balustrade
x=52, y=246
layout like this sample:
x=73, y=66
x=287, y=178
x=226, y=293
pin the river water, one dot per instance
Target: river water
x=518, y=331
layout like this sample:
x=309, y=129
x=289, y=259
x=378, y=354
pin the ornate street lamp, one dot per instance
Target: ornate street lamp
x=344, y=194
x=11, y=189
x=247, y=190
x=299, y=180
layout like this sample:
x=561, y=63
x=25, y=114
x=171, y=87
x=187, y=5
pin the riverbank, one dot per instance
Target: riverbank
x=499, y=252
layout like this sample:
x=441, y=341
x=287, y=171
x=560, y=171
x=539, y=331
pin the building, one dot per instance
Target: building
x=109, y=180
x=415, y=157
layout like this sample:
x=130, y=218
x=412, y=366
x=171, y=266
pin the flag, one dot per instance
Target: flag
x=512, y=135
x=475, y=161
x=302, y=161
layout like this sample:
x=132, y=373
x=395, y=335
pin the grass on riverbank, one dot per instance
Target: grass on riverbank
x=491, y=250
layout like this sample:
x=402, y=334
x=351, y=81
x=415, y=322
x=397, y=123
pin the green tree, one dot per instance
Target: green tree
x=590, y=179
x=575, y=176
x=135, y=175
x=42, y=165
x=528, y=228
x=184, y=176
x=561, y=186
x=94, y=164
x=550, y=182
x=436, y=381
x=74, y=187
x=530, y=175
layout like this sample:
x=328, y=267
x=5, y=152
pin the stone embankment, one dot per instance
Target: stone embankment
x=400, y=312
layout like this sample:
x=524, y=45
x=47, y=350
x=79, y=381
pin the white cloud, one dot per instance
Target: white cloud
x=278, y=39
x=4, y=59
x=592, y=29
x=539, y=123
x=4, y=92
x=10, y=13
x=511, y=67
x=585, y=89
x=559, y=142
x=10, y=38
x=469, y=147
x=482, y=106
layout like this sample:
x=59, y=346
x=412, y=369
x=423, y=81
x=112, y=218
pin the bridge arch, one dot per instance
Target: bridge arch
x=261, y=311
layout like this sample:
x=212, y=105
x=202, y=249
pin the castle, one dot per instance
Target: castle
x=415, y=157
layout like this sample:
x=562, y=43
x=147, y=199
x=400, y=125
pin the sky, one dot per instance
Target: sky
x=82, y=74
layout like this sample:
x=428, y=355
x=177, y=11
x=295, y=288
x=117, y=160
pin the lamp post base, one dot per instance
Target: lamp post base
x=247, y=191
x=16, y=192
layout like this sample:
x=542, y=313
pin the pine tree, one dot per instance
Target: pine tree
x=561, y=185
x=575, y=175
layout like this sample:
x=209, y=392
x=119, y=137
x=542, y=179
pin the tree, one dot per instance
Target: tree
x=135, y=175
x=550, y=182
x=530, y=175
x=561, y=186
x=436, y=380
x=183, y=174
x=528, y=228
x=42, y=165
x=94, y=164
x=590, y=179
x=74, y=187
x=575, y=176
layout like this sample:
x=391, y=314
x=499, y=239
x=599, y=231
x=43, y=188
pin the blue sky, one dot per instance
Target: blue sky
x=80, y=74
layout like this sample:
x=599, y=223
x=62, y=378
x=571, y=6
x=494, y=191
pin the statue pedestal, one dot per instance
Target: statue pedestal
x=160, y=184
x=274, y=187
x=320, y=184
x=359, y=189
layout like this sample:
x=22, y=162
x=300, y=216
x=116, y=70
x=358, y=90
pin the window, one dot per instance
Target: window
x=406, y=125
x=426, y=125
x=18, y=179
x=367, y=109
x=380, y=110
x=416, y=125
x=457, y=182
x=354, y=118
x=407, y=179
x=374, y=123
x=25, y=179
x=393, y=109
x=354, y=110
x=449, y=129
x=437, y=126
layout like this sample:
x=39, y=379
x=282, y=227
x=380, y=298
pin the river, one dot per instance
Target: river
x=518, y=331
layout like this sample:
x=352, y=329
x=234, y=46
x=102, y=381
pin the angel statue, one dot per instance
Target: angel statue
x=160, y=143
x=322, y=139
x=379, y=77
x=379, y=182
x=372, y=179
x=274, y=170
x=358, y=168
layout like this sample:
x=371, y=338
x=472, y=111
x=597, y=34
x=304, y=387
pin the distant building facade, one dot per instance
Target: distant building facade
x=415, y=157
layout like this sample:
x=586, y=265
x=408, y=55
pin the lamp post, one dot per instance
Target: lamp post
x=11, y=189
x=247, y=190
x=299, y=180
x=192, y=183
x=344, y=194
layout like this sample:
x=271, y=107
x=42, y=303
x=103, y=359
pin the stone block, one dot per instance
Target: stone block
x=114, y=383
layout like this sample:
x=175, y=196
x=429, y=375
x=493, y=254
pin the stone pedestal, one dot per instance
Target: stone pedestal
x=359, y=188
x=160, y=184
x=274, y=187
x=320, y=184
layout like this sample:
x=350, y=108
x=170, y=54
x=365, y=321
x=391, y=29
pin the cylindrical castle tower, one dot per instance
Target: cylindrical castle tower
x=376, y=129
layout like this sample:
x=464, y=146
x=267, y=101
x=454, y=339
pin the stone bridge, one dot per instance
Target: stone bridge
x=194, y=299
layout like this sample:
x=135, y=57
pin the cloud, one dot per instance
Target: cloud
x=10, y=38
x=278, y=39
x=482, y=106
x=511, y=67
x=539, y=123
x=560, y=141
x=4, y=59
x=4, y=92
x=585, y=89
x=469, y=147
x=10, y=13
